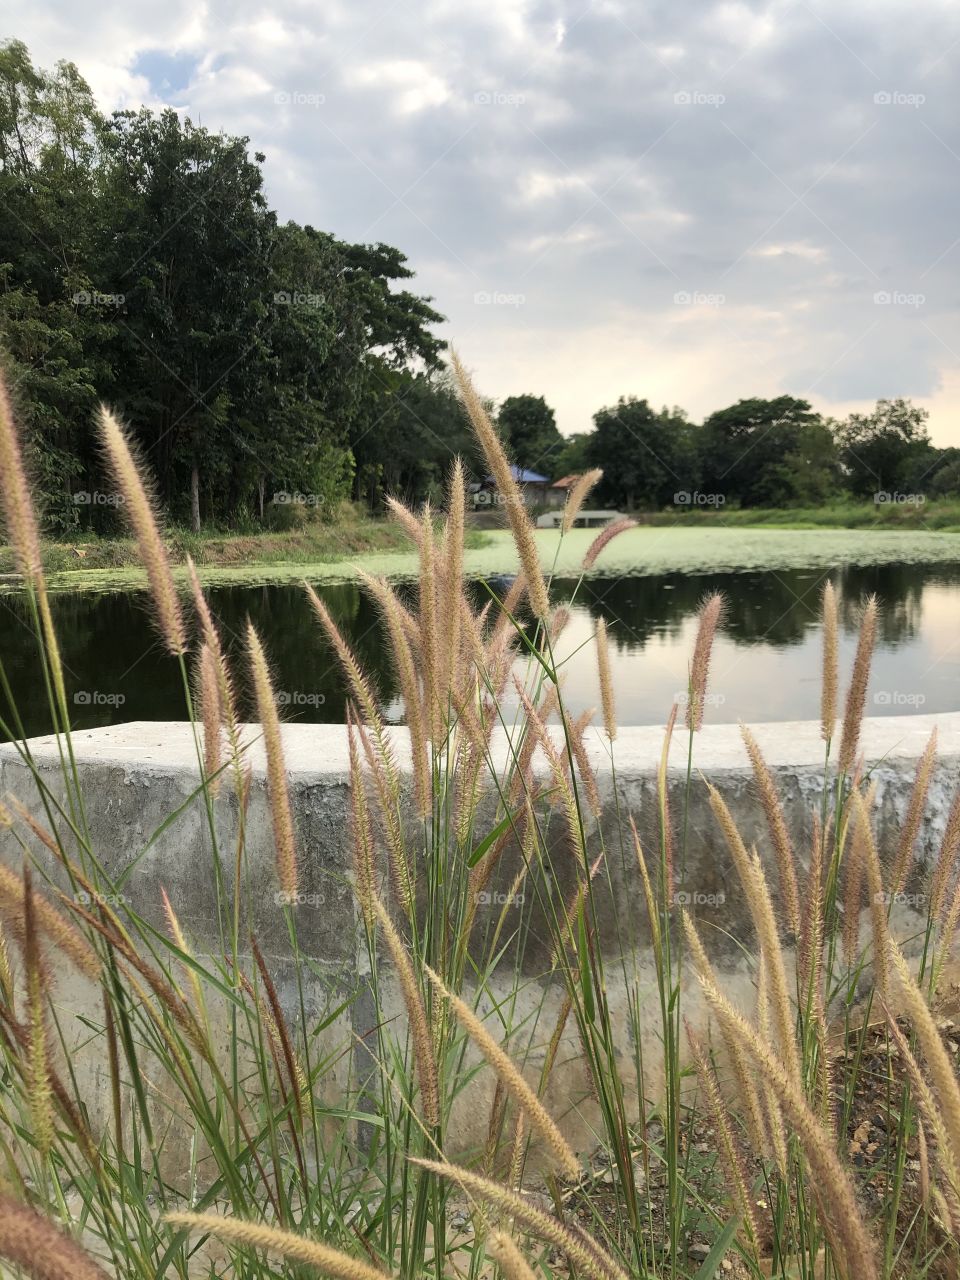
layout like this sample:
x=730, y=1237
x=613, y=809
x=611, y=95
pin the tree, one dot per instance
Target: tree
x=744, y=450
x=529, y=430
x=646, y=455
x=886, y=450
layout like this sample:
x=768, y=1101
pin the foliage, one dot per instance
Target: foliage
x=528, y=428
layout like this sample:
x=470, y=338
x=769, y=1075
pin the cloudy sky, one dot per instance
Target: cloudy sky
x=680, y=199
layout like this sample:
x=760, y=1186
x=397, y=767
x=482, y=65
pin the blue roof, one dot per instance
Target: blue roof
x=523, y=476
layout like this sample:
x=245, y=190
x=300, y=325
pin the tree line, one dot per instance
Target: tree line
x=261, y=363
x=756, y=453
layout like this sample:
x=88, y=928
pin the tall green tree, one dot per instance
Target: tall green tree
x=886, y=450
x=529, y=429
x=647, y=455
x=743, y=449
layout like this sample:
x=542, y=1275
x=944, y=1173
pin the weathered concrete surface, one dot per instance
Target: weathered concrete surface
x=134, y=776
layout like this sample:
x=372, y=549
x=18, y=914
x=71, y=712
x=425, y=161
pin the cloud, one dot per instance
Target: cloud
x=796, y=159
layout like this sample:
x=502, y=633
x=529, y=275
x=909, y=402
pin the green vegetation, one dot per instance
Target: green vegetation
x=500, y=903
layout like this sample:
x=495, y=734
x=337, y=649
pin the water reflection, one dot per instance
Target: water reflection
x=766, y=662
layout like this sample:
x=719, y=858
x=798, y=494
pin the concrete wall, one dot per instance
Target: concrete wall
x=135, y=776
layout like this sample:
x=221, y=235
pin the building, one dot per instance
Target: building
x=533, y=486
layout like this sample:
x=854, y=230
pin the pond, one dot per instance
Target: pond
x=766, y=661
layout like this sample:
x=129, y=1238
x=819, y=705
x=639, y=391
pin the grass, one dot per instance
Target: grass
x=480, y=856
x=936, y=514
x=350, y=533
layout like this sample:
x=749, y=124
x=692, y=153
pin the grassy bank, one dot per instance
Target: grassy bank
x=352, y=533
x=942, y=513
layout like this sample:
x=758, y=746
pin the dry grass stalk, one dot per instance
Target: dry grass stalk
x=452, y=586
x=941, y=1070
x=39, y=1248
x=360, y=686
x=400, y=512
x=663, y=804
x=947, y=1156
x=946, y=858
x=278, y=792
x=509, y=1258
x=417, y=722
x=828, y=686
x=875, y=890
x=386, y=787
x=903, y=862
x=39, y=1092
x=255, y=1235
x=851, y=1245
x=857, y=693
x=208, y=698
x=711, y=611
x=139, y=512
x=606, y=682
x=6, y=973
x=734, y=1169
x=430, y=645
x=783, y=848
x=761, y=909
x=511, y=1078
x=176, y=933
x=18, y=512
x=294, y=1071
x=604, y=538
x=577, y=495
x=49, y=921
x=590, y=1260
x=417, y=1017
x=810, y=935
x=509, y=490
x=855, y=866
x=364, y=867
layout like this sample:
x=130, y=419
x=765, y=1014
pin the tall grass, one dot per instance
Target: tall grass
x=510, y=996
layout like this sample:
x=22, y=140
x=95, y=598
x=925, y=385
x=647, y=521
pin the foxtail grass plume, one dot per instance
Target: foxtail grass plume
x=604, y=538
x=38, y=1069
x=139, y=513
x=946, y=858
x=606, y=683
x=903, y=861
x=711, y=610
x=509, y=1258
x=857, y=693
x=18, y=513
x=511, y=1079
x=509, y=489
x=278, y=792
x=256, y=1235
x=578, y=495
x=416, y=1014
x=38, y=1248
x=590, y=1259
x=208, y=697
x=828, y=686
x=786, y=862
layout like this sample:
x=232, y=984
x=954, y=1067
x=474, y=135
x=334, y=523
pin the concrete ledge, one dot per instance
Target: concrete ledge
x=135, y=776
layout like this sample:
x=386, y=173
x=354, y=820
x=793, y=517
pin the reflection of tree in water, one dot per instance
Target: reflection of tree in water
x=110, y=647
x=776, y=607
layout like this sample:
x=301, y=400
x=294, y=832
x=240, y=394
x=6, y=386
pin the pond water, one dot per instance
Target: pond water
x=766, y=661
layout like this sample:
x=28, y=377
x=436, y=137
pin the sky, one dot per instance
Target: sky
x=683, y=200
